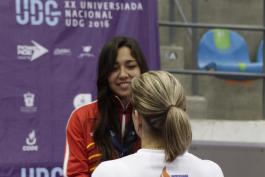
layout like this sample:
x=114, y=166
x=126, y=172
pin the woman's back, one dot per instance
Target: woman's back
x=160, y=120
x=151, y=163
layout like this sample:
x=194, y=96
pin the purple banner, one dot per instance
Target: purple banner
x=48, y=58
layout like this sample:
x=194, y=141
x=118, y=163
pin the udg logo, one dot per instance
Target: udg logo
x=36, y=12
x=41, y=172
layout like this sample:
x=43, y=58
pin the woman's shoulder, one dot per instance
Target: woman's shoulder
x=213, y=168
x=88, y=112
x=205, y=166
x=117, y=167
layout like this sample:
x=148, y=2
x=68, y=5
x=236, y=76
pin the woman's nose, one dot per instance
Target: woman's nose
x=123, y=72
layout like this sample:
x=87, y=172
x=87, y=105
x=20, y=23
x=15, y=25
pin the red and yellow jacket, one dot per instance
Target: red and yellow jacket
x=81, y=153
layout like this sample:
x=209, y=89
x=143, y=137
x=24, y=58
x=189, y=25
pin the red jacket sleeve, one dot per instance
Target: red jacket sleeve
x=75, y=162
x=81, y=154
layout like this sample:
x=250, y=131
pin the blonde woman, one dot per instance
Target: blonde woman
x=161, y=121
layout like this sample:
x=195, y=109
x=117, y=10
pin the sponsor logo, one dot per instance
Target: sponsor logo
x=30, y=52
x=37, y=12
x=41, y=172
x=86, y=52
x=82, y=99
x=166, y=174
x=31, y=142
x=62, y=52
x=29, y=99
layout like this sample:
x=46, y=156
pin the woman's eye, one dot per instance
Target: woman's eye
x=115, y=68
x=132, y=66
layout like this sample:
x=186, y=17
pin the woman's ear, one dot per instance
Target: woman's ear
x=137, y=121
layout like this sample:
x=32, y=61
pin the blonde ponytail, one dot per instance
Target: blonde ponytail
x=159, y=98
x=177, y=133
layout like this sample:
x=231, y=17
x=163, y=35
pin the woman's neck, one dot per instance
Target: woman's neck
x=148, y=143
x=124, y=101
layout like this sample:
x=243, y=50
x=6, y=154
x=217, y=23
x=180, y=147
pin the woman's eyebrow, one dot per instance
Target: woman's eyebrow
x=131, y=61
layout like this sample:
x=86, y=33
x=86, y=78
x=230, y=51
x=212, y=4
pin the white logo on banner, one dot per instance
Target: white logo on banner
x=41, y=172
x=96, y=14
x=62, y=52
x=86, y=52
x=29, y=99
x=82, y=99
x=31, y=142
x=37, y=12
x=31, y=52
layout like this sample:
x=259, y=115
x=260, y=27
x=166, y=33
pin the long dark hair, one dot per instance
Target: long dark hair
x=107, y=113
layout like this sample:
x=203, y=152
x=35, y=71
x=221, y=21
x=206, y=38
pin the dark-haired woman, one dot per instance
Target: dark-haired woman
x=103, y=130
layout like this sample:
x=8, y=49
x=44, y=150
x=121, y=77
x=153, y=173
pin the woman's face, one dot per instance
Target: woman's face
x=124, y=70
